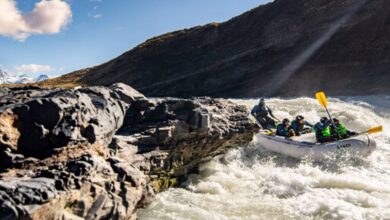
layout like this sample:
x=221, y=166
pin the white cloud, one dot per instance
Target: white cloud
x=33, y=68
x=11, y=20
x=47, y=17
x=96, y=16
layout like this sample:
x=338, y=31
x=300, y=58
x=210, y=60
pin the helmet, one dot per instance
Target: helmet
x=299, y=117
x=324, y=119
x=336, y=121
x=285, y=121
x=261, y=100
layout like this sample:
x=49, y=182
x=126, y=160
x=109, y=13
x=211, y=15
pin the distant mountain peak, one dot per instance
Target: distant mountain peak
x=3, y=73
x=41, y=77
x=6, y=78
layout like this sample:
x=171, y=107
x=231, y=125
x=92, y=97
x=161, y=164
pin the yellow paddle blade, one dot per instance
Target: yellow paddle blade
x=375, y=130
x=321, y=97
x=269, y=132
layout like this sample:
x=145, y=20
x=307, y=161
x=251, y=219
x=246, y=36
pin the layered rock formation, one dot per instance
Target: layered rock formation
x=283, y=48
x=100, y=153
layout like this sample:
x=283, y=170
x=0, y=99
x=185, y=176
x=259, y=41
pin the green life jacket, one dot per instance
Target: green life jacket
x=326, y=132
x=341, y=130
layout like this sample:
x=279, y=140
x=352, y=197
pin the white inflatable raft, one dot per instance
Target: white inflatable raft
x=306, y=146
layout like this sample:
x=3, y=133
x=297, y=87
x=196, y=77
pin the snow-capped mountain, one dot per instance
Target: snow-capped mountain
x=3, y=74
x=42, y=77
x=6, y=78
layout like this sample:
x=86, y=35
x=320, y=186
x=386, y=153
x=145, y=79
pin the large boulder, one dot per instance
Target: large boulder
x=35, y=122
x=127, y=93
x=178, y=134
x=100, y=153
x=86, y=186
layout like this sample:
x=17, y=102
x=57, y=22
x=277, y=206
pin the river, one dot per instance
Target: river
x=252, y=183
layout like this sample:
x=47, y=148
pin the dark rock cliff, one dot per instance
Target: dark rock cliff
x=286, y=48
x=101, y=153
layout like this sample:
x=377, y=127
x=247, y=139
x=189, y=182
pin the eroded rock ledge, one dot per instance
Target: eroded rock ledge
x=101, y=153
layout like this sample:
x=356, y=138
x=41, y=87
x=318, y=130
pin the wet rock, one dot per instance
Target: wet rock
x=17, y=194
x=9, y=134
x=50, y=120
x=175, y=135
x=126, y=93
x=99, y=153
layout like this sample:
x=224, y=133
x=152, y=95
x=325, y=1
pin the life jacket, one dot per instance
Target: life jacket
x=281, y=130
x=341, y=130
x=325, y=132
x=262, y=111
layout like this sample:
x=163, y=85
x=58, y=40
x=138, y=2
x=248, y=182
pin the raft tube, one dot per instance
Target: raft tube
x=305, y=146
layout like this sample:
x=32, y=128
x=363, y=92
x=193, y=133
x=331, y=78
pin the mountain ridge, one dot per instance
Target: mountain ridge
x=257, y=53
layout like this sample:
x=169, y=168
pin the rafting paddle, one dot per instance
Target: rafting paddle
x=321, y=97
x=373, y=130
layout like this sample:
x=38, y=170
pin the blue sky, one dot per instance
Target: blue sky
x=90, y=32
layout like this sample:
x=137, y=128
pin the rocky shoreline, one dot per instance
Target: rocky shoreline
x=101, y=153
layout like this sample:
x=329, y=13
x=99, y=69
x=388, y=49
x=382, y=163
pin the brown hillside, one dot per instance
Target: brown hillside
x=282, y=48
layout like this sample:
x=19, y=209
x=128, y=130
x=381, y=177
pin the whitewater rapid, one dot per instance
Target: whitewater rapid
x=252, y=183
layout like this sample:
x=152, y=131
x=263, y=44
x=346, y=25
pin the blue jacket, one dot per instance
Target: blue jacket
x=281, y=130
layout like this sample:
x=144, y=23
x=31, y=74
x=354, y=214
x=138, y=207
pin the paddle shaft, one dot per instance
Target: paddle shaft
x=330, y=117
x=331, y=121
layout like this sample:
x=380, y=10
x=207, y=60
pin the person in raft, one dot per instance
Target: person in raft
x=340, y=131
x=284, y=129
x=301, y=126
x=323, y=131
x=264, y=115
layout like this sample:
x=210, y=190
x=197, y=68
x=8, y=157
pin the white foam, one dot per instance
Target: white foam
x=251, y=183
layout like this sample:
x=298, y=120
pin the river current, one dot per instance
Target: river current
x=252, y=183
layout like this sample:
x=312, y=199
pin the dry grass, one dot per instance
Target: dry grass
x=161, y=38
x=70, y=80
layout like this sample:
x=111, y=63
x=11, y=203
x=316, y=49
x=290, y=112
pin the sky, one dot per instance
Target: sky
x=56, y=36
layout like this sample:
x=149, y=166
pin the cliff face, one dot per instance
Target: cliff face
x=101, y=153
x=282, y=48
